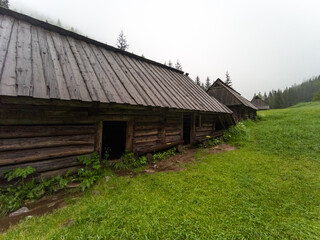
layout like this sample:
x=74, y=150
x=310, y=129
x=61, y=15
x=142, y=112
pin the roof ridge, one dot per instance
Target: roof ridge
x=65, y=32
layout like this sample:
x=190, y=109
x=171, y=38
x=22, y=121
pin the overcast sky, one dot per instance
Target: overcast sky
x=265, y=44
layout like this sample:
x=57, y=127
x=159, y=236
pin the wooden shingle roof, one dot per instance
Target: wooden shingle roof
x=259, y=103
x=43, y=61
x=232, y=98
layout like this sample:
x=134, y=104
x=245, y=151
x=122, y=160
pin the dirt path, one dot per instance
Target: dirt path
x=48, y=204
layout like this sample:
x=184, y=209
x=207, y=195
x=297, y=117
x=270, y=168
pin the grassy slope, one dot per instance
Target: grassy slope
x=269, y=188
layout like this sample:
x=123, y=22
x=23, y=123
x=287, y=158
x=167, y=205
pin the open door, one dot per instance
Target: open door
x=114, y=138
x=186, y=129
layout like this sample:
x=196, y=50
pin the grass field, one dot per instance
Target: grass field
x=269, y=188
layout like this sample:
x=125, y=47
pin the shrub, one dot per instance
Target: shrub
x=238, y=134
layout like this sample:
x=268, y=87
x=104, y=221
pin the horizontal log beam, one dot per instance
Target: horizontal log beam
x=42, y=142
x=159, y=147
x=31, y=155
x=44, y=131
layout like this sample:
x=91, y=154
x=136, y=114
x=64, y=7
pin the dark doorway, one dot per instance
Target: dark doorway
x=186, y=128
x=114, y=139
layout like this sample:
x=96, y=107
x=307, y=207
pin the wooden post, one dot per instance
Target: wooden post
x=129, y=140
x=163, y=128
x=98, y=138
x=193, y=128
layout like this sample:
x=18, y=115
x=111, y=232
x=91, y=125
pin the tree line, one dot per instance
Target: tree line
x=305, y=92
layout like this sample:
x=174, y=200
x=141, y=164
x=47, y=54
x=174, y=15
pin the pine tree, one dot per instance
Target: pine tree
x=228, y=81
x=202, y=86
x=170, y=63
x=198, y=81
x=208, y=84
x=122, y=42
x=178, y=65
x=4, y=3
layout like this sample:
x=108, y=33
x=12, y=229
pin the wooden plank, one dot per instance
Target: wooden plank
x=94, y=86
x=98, y=138
x=24, y=68
x=122, y=77
x=39, y=84
x=62, y=172
x=123, y=94
x=44, y=116
x=6, y=24
x=41, y=142
x=44, y=131
x=145, y=139
x=8, y=77
x=173, y=138
x=173, y=133
x=52, y=90
x=66, y=66
x=147, y=126
x=158, y=147
x=168, y=98
x=32, y=155
x=146, y=132
x=174, y=88
x=129, y=138
x=140, y=87
x=145, y=82
x=107, y=86
x=46, y=165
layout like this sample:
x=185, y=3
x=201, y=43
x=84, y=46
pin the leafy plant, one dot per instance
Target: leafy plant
x=210, y=142
x=21, y=173
x=89, y=174
x=130, y=161
x=164, y=155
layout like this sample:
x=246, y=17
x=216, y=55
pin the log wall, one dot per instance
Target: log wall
x=46, y=148
x=50, y=138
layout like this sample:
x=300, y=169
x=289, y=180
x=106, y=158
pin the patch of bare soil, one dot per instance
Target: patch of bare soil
x=175, y=163
x=221, y=148
x=46, y=204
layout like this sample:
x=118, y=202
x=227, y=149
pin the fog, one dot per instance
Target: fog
x=264, y=45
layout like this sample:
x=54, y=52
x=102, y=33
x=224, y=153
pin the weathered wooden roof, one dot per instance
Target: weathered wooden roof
x=43, y=61
x=259, y=103
x=227, y=95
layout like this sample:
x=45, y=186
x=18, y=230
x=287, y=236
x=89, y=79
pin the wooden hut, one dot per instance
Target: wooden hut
x=63, y=95
x=259, y=103
x=241, y=107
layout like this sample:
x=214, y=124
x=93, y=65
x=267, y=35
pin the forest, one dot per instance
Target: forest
x=305, y=92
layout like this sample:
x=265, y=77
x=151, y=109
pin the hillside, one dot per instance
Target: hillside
x=269, y=188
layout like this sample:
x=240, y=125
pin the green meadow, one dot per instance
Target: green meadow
x=268, y=188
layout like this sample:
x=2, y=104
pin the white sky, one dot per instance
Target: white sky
x=264, y=44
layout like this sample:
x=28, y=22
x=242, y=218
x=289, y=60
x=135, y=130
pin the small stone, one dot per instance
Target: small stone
x=29, y=217
x=19, y=212
x=73, y=185
x=107, y=178
x=95, y=192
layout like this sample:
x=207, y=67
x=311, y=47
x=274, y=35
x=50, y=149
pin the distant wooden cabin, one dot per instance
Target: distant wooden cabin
x=242, y=108
x=259, y=103
x=63, y=95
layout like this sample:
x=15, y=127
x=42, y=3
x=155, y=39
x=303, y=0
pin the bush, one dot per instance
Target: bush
x=238, y=134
